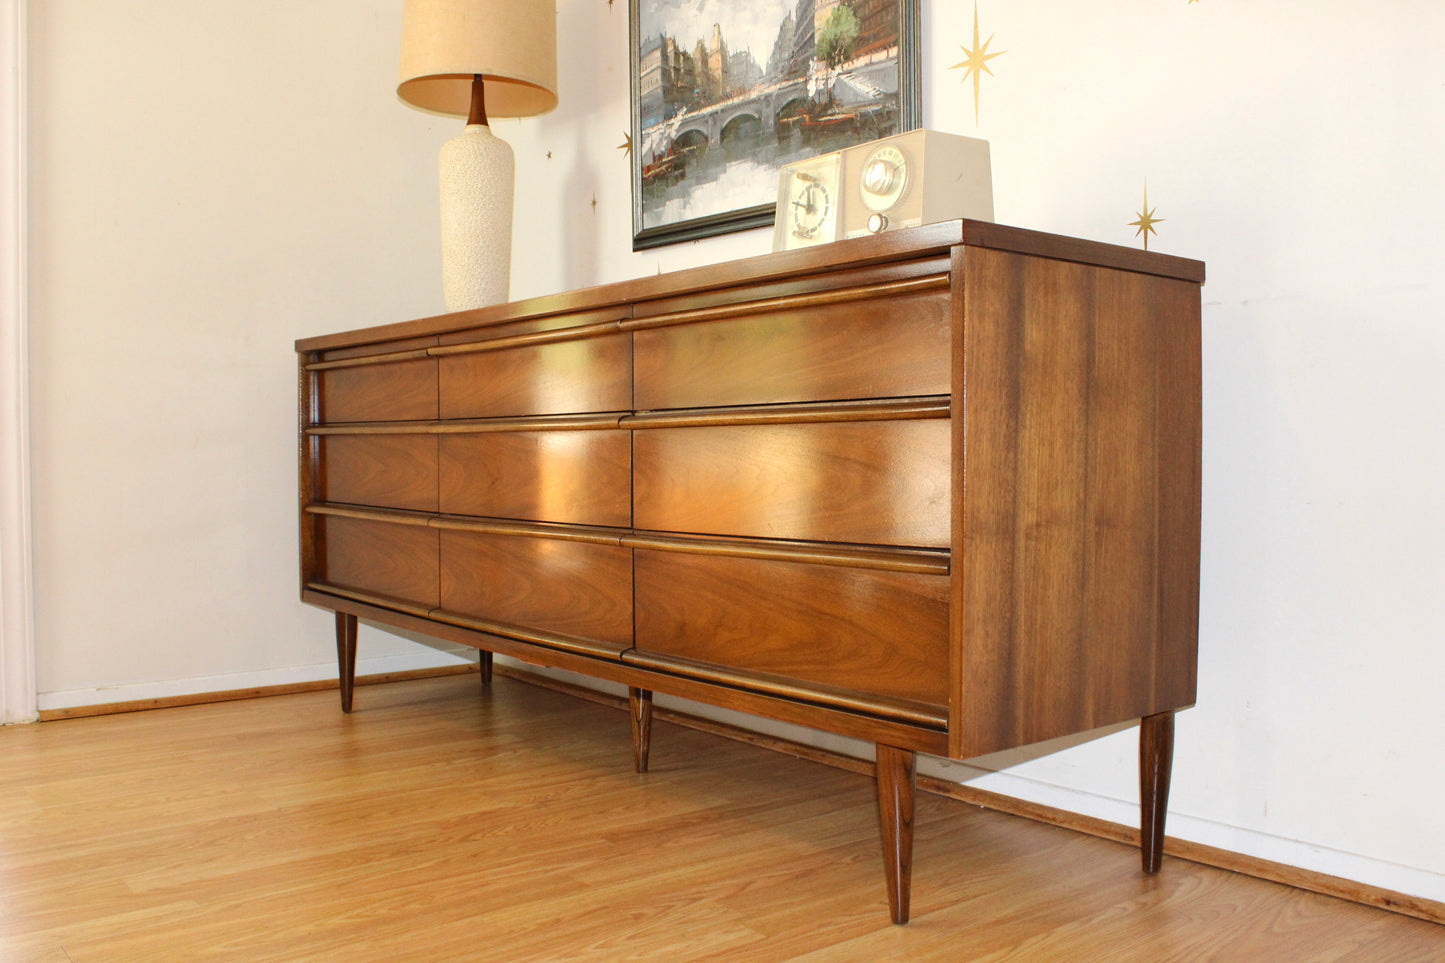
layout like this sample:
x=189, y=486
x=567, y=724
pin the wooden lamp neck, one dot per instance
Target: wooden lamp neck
x=478, y=114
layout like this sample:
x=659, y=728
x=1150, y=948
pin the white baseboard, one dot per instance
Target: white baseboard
x=1410, y=880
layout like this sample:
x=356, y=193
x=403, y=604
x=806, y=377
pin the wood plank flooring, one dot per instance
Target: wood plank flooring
x=443, y=822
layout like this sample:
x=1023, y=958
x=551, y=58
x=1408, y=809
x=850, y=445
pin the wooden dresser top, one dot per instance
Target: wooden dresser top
x=918, y=242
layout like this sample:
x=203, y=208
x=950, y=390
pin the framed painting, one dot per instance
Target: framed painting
x=725, y=92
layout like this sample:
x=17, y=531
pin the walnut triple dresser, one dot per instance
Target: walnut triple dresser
x=936, y=489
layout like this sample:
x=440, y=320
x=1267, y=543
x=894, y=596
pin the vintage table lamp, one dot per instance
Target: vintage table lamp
x=475, y=59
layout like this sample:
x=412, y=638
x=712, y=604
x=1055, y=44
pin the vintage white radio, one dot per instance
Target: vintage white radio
x=909, y=179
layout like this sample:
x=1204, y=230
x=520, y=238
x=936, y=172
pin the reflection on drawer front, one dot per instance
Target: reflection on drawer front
x=573, y=588
x=392, y=391
x=581, y=477
x=564, y=377
x=883, y=348
x=384, y=558
x=388, y=471
x=878, y=633
x=877, y=482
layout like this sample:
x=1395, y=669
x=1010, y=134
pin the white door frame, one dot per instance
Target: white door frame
x=17, y=623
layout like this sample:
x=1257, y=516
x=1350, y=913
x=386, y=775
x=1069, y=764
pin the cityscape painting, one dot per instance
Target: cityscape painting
x=725, y=92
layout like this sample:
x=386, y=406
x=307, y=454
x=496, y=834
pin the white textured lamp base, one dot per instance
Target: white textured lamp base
x=477, y=175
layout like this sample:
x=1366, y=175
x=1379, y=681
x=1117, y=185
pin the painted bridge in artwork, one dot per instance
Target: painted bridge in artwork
x=793, y=104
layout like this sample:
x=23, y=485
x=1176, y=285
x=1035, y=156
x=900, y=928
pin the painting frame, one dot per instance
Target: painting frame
x=651, y=161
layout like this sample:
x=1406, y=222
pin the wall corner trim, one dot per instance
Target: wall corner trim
x=17, y=623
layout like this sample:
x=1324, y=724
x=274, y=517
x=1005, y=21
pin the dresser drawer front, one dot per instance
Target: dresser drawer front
x=880, y=634
x=572, y=588
x=580, y=477
x=871, y=482
x=379, y=558
x=562, y=377
x=882, y=348
x=387, y=391
x=385, y=471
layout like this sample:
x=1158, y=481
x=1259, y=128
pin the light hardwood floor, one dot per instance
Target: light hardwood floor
x=438, y=822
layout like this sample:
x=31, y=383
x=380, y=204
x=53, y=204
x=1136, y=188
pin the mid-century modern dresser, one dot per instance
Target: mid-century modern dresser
x=936, y=489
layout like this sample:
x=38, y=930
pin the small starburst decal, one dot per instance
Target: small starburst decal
x=594, y=203
x=975, y=62
x=626, y=145
x=1147, y=220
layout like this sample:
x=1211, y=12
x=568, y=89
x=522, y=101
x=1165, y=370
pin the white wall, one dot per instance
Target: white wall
x=191, y=215
x=209, y=181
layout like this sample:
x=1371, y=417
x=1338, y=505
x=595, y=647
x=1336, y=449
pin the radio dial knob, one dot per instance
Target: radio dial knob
x=880, y=177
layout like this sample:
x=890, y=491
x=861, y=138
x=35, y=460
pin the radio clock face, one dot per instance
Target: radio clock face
x=884, y=178
x=808, y=205
x=811, y=207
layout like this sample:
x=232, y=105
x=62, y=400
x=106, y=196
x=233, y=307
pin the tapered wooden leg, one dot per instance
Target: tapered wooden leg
x=639, y=708
x=484, y=662
x=1156, y=760
x=346, y=656
x=895, y=816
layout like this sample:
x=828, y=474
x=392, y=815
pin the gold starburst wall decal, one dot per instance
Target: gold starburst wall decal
x=975, y=62
x=626, y=145
x=1147, y=220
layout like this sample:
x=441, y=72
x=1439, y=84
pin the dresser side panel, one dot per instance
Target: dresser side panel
x=1070, y=476
x=1177, y=309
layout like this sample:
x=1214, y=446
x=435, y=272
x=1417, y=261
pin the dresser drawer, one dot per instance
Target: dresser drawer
x=386, y=471
x=573, y=476
x=878, y=348
x=577, y=589
x=881, y=634
x=384, y=391
x=389, y=559
x=558, y=377
x=872, y=482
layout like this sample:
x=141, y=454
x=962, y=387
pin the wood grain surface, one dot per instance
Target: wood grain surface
x=387, y=471
x=388, y=559
x=439, y=823
x=880, y=348
x=581, y=477
x=552, y=585
x=401, y=391
x=871, y=482
x=1079, y=500
x=880, y=633
x=576, y=375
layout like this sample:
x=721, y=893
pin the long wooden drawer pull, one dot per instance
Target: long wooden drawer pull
x=887, y=289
